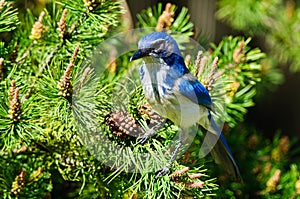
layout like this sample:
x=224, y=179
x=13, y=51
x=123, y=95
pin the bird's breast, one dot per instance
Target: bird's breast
x=157, y=81
x=158, y=85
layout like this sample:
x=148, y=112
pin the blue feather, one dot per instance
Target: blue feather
x=191, y=88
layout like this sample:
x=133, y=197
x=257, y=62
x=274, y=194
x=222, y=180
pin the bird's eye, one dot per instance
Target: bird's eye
x=149, y=50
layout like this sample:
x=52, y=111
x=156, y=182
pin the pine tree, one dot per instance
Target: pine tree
x=274, y=21
x=44, y=70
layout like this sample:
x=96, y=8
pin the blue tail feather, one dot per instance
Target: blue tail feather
x=222, y=153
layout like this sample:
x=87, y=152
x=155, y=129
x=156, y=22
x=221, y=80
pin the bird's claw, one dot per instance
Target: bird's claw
x=162, y=172
x=142, y=140
x=145, y=137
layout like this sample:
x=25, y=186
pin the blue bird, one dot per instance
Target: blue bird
x=176, y=94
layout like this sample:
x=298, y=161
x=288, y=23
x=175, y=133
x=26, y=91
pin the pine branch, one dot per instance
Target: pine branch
x=8, y=17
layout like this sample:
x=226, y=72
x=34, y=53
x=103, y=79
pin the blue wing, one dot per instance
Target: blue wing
x=191, y=88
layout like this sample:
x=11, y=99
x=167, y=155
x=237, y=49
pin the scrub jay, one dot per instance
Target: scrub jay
x=176, y=94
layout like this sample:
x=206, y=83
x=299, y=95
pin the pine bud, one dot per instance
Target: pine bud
x=281, y=150
x=180, y=172
x=62, y=26
x=1, y=68
x=37, y=29
x=194, y=175
x=36, y=175
x=83, y=79
x=273, y=182
x=267, y=168
x=213, y=76
x=200, y=64
x=166, y=19
x=290, y=9
x=12, y=89
x=92, y=4
x=64, y=86
x=18, y=184
x=15, y=104
x=297, y=186
x=238, y=53
x=187, y=60
x=252, y=142
x=194, y=185
x=2, y=3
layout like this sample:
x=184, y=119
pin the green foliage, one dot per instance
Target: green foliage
x=38, y=135
x=8, y=17
x=276, y=21
x=181, y=24
x=270, y=168
x=43, y=150
x=247, y=15
x=242, y=71
x=25, y=174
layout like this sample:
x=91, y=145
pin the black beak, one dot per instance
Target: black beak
x=139, y=54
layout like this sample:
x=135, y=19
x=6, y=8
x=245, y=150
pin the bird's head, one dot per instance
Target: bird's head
x=156, y=44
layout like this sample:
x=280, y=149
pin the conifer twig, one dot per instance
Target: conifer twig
x=41, y=69
x=64, y=85
x=25, y=54
x=48, y=60
x=15, y=104
x=83, y=79
x=13, y=56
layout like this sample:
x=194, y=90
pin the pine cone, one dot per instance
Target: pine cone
x=122, y=124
